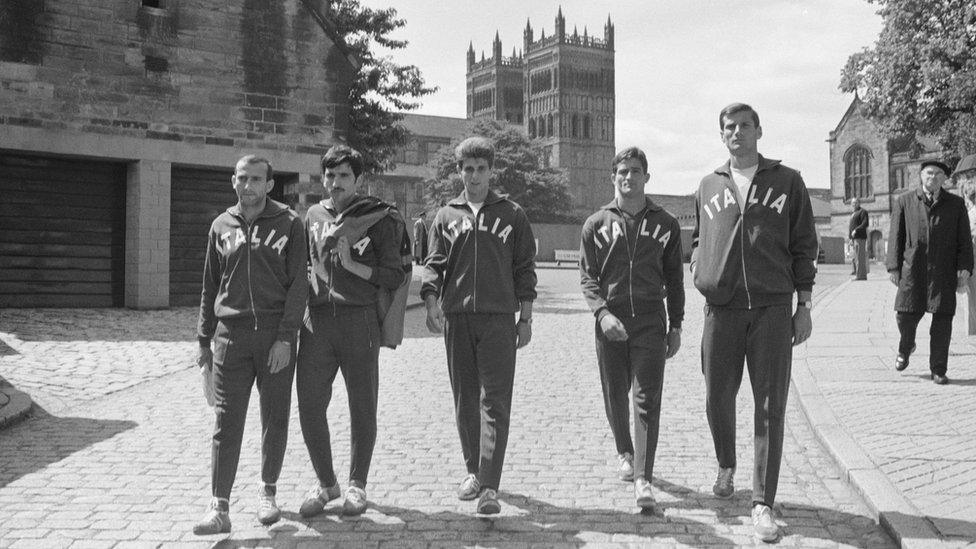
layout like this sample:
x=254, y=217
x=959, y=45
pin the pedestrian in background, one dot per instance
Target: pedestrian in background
x=965, y=176
x=480, y=271
x=754, y=246
x=630, y=264
x=858, y=233
x=354, y=251
x=255, y=288
x=930, y=254
x=420, y=238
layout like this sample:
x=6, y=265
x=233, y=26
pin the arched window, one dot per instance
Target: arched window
x=574, y=126
x=531, y=128
x=550, y=129
x=586, y=126
x=857, y=173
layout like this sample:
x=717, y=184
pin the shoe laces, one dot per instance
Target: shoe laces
x=268, y=502
x=625, y=458
x=355, y=494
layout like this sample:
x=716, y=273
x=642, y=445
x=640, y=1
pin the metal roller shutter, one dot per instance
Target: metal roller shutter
x=62, y=232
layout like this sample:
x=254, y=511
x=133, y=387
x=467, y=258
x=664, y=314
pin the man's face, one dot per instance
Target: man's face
x=856, y=204
x=629, y=179
x=251, y=183
x=341, y=184
x=475, y=174
x=740, y=134
x=932, y=178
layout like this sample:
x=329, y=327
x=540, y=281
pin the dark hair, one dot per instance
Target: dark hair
x=342, y=154
x=475, y=147
x=626, y=154
x=255, y=159
x=734, y=108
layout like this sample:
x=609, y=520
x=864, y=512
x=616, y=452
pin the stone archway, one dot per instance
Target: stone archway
x=876, y=245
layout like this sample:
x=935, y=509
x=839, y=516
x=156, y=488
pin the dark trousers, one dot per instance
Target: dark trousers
x=240, y=360
x=347, y=341
x=763, y=337
x=481, y=364
x=860, y=259
x=638, y=361
x=939, y=335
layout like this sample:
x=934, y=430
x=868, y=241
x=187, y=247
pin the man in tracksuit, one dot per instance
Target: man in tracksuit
x=354, y=246
x=630, y=254
x=754, y=245
x=254, y=293
x=480, y=271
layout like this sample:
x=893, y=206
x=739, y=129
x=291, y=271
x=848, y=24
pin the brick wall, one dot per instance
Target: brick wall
x=249, y=75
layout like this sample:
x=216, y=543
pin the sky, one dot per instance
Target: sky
x=678, y=62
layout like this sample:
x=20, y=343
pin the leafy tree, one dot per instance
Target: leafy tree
x=541, y=191
x=382, y=86
x=920, y=76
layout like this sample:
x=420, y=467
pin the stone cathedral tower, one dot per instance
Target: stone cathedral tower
x=559, y=88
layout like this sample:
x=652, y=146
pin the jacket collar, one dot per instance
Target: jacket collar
x=491, y=198
x=920, y=193
x=764, y=164
x=648, y=203
x=361, y=204
x=271, y=209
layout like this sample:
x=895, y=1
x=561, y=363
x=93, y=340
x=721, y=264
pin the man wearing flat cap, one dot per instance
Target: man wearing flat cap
x=965, y=177
x=930, y=254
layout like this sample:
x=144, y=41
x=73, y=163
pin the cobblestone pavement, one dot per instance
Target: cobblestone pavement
x=124, y=461
x=921, y=436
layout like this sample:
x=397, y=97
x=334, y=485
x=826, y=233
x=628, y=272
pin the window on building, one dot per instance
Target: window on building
x=574, y=126
x=857, y=173
x=898, y=179
x=586, y=126
x=531, y=128
x=550, y=129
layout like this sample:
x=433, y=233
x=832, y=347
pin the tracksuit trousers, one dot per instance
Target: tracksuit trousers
x=240, y=361
x=763, y=337
x=481, y=365
x=638, y=362
x=346, y=339
x=940, y=333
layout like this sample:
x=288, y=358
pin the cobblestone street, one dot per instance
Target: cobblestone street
x=121, y=456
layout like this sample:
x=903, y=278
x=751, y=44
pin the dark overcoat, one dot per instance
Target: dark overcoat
x=928, y=244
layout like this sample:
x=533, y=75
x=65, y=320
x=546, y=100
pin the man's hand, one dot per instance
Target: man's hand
x=612, y=328
x=523, y=334
x=674, y=342
x=435, y=315
x=895, y=277
x=802, y=325
x=205, y=358
x=279, y=357
x=962, y=279
x=342, y=248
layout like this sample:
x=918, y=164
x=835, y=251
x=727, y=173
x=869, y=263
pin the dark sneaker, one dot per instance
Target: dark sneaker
x=268, y=511
x=763, y=524
x=215, y=521
x=355, y=503
x=643, y=494
x=724, y=487
x=469, y=488
x=940, y=379
x=316, y=499
x=488, y=503
x=626, y=469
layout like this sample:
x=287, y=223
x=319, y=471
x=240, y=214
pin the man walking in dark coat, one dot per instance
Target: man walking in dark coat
x=930, y=254
x=858, y=232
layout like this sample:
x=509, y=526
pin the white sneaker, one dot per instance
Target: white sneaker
x=762, y=521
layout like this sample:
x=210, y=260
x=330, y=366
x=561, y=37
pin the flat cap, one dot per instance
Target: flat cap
x=938, y=164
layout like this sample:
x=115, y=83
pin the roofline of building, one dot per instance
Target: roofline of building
x=333, y=33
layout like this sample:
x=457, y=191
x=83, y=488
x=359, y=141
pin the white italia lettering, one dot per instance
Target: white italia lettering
x=664, y=237
x=605, y=231
x=707, y=211
x=240, y=238
x=270, y=236
x=495, y=226
x=729, y=198
x=452, y=226
x=225, y=238
x=280, y=245
x=714, y=201
x=466, y=225
x=314, y=229
x=643, y=229
x=505, y=232
x=481, y=224
x=765, y=201
x=752, y=195
x=779, y=204
x=361, y=245
x=617, y=231
x=255, y=239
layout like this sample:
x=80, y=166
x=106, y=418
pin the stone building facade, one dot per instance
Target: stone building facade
x=120, y=123
x=874, y=169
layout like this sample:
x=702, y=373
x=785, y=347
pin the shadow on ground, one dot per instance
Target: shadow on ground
x=41, y=441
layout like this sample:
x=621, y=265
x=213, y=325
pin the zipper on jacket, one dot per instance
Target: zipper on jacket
x=630, y=259
x=474, y=290
x=742, y=245
x=250, y=291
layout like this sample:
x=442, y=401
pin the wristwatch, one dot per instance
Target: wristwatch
x=525, y=321
x=807, y=304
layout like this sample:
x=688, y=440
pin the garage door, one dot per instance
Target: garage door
x=62, y=232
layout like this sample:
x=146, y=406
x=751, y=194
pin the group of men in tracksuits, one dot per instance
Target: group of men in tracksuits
x=754, y=246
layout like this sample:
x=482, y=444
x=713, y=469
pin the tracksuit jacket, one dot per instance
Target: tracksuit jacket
x=760, y=257
x=478, y=256
x=629, y=285
x=376, y=243
x=254, y=274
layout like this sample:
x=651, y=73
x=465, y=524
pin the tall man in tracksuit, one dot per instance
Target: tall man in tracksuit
x=254, y=292
x=630, y=263
x=354, y=248
x=754, y=246
x=480, y=271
